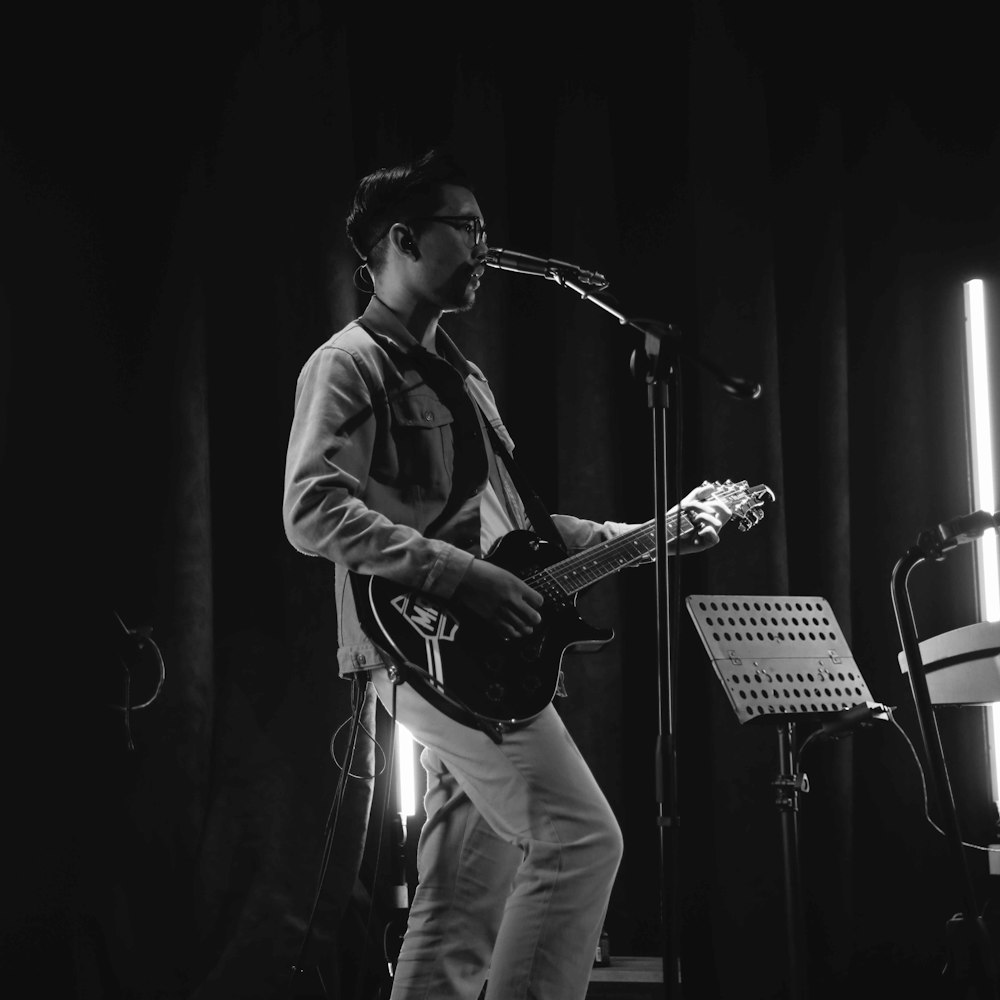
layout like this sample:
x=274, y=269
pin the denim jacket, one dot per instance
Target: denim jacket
x=370, y=467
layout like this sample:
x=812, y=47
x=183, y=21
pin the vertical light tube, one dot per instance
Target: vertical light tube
x=987, y=564
x=405, y=770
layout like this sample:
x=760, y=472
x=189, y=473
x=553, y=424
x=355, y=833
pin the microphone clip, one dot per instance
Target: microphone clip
x=560, y=271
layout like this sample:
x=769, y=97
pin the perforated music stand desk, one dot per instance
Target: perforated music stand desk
x=781, y=659
x=778, y=658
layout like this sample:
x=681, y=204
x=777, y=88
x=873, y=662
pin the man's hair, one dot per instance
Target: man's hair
x=396, y=194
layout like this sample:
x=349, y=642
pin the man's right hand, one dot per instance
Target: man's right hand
x=499, y=597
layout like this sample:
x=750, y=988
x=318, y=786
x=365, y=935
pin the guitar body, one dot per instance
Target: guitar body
x=461, y=662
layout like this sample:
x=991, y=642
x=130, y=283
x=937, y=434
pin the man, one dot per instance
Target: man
x=390, y=473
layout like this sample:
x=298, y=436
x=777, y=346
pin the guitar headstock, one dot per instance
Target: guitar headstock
x=744, y=500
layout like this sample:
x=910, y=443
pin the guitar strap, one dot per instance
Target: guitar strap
x=470, y=463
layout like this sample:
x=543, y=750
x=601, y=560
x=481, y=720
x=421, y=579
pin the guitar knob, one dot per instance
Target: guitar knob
x=529, y=651
x=493, y=664
x=494, y=692
x=530, y=683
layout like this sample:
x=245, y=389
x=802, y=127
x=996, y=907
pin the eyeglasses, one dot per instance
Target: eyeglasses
x=471, y=225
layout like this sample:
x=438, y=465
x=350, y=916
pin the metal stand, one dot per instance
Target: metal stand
x=655, y=364
x=788, y=784
x=658, y=379
x=971, y=965
x=780, y=660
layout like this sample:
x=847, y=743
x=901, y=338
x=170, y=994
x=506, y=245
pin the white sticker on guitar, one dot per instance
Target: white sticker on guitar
x=430, y=621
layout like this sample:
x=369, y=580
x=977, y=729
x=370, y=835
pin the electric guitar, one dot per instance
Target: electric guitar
x=459, y=662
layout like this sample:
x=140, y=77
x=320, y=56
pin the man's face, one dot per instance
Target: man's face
x=450, y=263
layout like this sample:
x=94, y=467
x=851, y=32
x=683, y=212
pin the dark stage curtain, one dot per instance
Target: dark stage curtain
x=801, y=200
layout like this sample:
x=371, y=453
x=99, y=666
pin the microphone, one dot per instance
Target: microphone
x=957, y=531
x=523, y=263
x=967, y=528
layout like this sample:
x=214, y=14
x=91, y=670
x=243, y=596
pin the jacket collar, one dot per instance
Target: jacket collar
x=383, y=322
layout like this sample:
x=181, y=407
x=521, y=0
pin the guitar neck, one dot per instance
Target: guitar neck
x=597, y=562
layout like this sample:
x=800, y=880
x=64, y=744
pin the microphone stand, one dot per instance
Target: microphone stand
x=661, y=350
x=971, y=961
x=659, y=375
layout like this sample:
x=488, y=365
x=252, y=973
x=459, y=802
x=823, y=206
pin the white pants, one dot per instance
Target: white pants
x=515, y=862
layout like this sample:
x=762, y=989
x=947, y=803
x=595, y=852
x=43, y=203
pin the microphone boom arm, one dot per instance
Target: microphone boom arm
x=586, y=283
x=658, y=332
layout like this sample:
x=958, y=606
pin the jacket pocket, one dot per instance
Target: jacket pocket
x=423, y=436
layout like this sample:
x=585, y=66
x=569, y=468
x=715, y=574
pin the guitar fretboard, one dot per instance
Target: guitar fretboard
x=585, y=568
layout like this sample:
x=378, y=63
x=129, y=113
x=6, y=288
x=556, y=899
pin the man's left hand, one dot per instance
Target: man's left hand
x=707, y=515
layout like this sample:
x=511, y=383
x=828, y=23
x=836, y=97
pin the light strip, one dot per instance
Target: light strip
x=983, y=494
x=405, y=769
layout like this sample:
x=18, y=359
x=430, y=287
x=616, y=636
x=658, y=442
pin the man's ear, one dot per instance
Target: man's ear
x=402, y=239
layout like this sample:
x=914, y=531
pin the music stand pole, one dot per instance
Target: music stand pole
x=788, y=785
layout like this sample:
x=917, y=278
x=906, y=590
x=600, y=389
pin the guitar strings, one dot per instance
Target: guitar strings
x=584, y=561
x=578, y=563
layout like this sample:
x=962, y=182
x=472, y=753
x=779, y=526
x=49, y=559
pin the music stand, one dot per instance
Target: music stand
x=780, y=660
